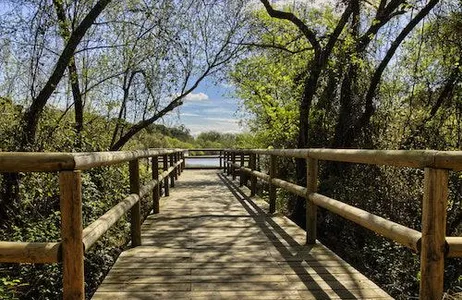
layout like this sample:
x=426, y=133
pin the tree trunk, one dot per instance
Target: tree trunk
x=32, y=115
x=309, y=91
x=73, y=74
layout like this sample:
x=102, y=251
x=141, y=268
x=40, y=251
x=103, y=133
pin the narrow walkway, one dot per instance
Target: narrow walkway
x=211, y=241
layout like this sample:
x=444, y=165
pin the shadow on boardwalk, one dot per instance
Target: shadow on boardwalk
x=211, y=241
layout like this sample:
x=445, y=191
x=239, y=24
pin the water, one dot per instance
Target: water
x=203, y=162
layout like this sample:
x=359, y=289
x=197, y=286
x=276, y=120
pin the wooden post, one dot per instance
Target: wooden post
x=161, y=190
x=253, y=179
x=165, y=167
x=178, y=158
x=241, y=173
x=311, y=208
x=175, y=160
x=70, y=186
x=272, y=188
x=233, y=169
x=220, y=158
x=433, y=233
x=135, y=212
x=224, y=162
x=155, y=191
x=182, y=163
x=172, y=174
x=228, y=167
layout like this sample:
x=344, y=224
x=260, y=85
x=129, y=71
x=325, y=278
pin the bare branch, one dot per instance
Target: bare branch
x=275, y=46
x=309, y=34
x=32, y=115
x=369, y=108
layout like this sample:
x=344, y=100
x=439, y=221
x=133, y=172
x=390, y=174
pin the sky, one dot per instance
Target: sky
x=209, y=107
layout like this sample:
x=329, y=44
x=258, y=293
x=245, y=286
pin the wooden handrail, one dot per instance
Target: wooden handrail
x=75, y=240
x=405, y=236
x=451, y=160
x=52, y=161
x=455, y=246
x=431, y=243
x=205, y=150
x=21, y=252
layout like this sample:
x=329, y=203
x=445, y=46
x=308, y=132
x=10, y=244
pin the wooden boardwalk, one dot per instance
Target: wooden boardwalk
x=211, y=241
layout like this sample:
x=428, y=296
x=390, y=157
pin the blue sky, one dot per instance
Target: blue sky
x=209, y=107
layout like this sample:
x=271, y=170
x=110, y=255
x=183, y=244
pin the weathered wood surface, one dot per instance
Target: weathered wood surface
x=210, y=241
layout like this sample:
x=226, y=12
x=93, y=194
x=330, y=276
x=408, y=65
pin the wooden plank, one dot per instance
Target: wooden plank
x=213, y=245
x=260, y=295
x=70, y=187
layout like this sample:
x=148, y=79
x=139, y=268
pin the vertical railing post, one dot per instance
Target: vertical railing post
x=172, y=174
x=272, y=188
x=224, y=162
x=241, y=173
x=220, y=157
x=175, y=160
x=182, y=163
x=227, y=165
x=311, y=208
x=433, y=244
x=165, y=168
x=70, y=185
x=178, y=158
x=135, y=212
x=253, y=179
x=161, y=190
x=233, y=161
x=155, y=191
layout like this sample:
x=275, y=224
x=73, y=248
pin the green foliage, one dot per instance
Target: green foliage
x=36, y=216
x=417, y=106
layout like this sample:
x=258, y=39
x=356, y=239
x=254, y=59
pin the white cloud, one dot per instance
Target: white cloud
x=222, y=120
x=196, y=97
x=189, y=115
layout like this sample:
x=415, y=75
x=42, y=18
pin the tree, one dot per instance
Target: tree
x=193, y=51
x=32, y=115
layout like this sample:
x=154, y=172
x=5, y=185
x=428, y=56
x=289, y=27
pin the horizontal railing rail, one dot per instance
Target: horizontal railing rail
x=53, y=161
x=75, y=240
x=451, y=160
x=432, y=242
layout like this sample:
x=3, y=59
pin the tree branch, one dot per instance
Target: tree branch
x=369, y=108
x=338, y=30
x=309, y=34
x=32, y=115
x=276, y=46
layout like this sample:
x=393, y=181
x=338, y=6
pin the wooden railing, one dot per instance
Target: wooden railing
x=432, y=243
x=75, y=240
